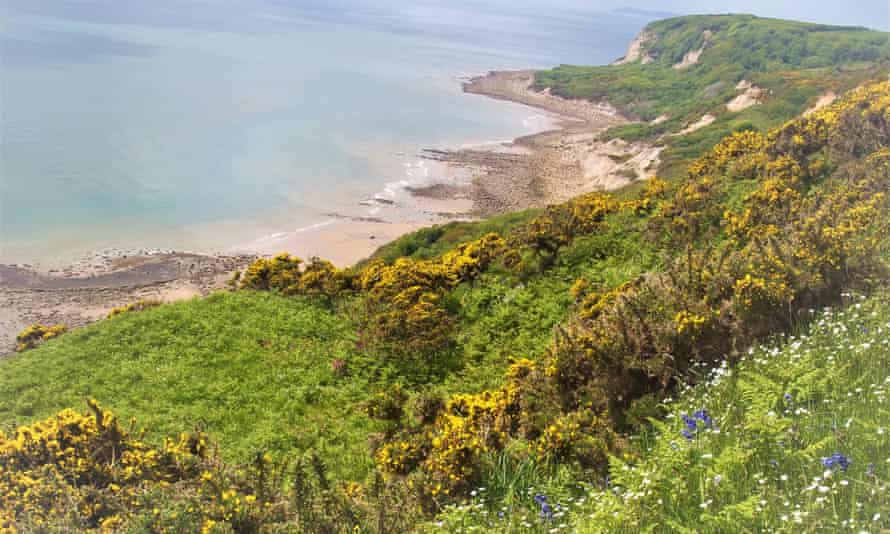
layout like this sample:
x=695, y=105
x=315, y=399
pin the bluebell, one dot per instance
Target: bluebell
x=546, y=512
x=836, y=460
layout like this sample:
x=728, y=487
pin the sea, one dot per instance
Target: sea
x=209, y=125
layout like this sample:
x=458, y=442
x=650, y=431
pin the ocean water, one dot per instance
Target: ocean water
x=198, y=125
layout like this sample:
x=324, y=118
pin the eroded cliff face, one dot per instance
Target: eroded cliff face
x=637, y=50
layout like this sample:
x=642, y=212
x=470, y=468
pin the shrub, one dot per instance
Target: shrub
x=733, y=274
x=388, y=404
x=37, y=334
x=281, y=273
x=84, y=470
x=138, y=306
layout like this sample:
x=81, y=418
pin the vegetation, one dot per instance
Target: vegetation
x=503, y=362
x=37, y=334
x=252, y=369
x=795, y=238
x=792, y=438
x=138, y=306
x=794, y=62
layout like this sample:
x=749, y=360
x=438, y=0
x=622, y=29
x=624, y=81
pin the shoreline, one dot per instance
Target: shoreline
x=532, y=171
x=552, y=166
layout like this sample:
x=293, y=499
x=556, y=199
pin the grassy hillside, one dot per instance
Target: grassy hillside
x=523, y=351
x=764, y=457
x=253, y=369
x=796, y=62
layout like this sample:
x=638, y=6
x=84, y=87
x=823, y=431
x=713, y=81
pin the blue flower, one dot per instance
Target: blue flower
x=546, y=512
x=692, y=426
x=702, y=415
x=788, y=398
x=836, y=460
x=540, y=499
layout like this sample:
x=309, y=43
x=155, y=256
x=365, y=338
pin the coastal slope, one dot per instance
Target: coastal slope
x=689, y=81
x=684, y=83
x=508, y=365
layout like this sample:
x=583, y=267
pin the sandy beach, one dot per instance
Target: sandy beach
x=532, y=171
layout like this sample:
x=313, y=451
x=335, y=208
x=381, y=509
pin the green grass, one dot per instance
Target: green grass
x=253, y=369
x=760, y=462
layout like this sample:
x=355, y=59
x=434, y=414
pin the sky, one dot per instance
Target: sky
x=870, y=13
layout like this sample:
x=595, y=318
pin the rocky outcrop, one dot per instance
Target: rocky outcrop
x=750, y=96
x=637, y=50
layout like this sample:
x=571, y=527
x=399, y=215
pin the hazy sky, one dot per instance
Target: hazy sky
x=870, y=13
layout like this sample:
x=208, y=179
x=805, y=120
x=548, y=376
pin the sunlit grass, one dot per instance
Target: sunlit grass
x=252, y=369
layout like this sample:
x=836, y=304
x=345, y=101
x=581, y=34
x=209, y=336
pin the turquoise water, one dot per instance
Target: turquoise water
x=201, y=126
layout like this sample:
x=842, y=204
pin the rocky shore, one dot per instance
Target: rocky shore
x=90, y=288
x=548, y=167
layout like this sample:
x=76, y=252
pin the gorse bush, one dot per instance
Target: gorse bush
x=543, y=237
x=289, y=275
x=404, y=312
x=798, y=236
x=36, y=334
x=86, y=472
x=792, y=438
x=138, y=306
